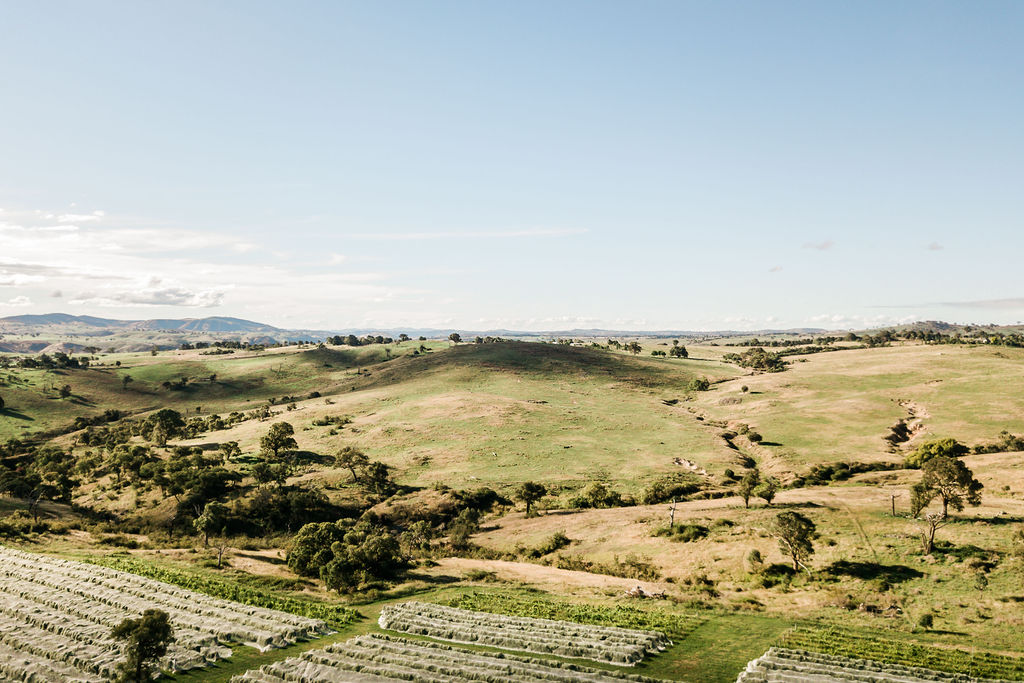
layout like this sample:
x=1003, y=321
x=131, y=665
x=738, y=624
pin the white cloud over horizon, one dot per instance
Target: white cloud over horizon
x=94, y=261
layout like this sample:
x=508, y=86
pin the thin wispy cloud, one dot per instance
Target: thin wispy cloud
x=481, y=234
x=824, y=245
x=153, y=296
x=991, y=304
x=114, y=261
x=1007, y=304
x=15, y=279
x=80, y=217
x=775, y=269
x=935, y=246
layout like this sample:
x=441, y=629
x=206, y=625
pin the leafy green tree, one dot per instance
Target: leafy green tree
x=351, y=459
x=795, y=533
x=952, y=481
x=280, y=437
x=1, y=403
x=125, y=381
x=598, y=495
x=748, y=484
x=212, y=520
x=948, y=448
x=229, y=450
x=920, y=497
x=633, y=347
x=530, y=492
x=347, y=554
x=455, y=337
x=767, y=489
x=267, y=473
x=162, y=426
x=376, y=478
x=146, y=641
x=699, y=384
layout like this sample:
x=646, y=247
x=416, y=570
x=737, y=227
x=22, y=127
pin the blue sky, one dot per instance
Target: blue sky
x=528, y=165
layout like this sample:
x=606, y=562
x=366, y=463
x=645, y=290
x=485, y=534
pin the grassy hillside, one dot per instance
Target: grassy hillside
x=216, y=383
x=839, y=405
x=499, y=414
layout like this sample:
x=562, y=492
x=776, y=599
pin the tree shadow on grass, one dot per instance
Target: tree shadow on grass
x=10, y=412
x=999, y=519
x=798, y=505
x=962, y=552
x=892, y=573
x=269, y=559
x=311, y=458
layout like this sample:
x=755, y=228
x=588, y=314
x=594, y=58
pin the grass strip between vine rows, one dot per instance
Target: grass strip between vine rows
x=623, y=616
x=834, y=641
x=337, y=615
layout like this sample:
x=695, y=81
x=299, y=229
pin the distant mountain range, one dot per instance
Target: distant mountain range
x=88, y=325
x=53, y=332
x=212, y=324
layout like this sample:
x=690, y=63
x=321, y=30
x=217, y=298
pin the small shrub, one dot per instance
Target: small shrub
x=481, y=575
x=754, y=562
x=684, y=533
x=557, y=541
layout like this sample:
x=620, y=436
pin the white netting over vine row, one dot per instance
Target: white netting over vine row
x=56, y=617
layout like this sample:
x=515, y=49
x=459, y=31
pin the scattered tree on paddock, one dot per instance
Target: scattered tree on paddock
x=748, y=484
x=351, y=459
x=767, y=489
x=794, y=532
x=280, y=437
x=951, y=481
x=530, y=492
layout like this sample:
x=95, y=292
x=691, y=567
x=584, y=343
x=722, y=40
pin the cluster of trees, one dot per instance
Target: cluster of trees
x=968, y=335
x=353, y=340
x=675, y=351
x=752, y=485
x=348, y=555
x=58, y=361
x=757, y=359
x=37, y=475
x=632, y=347
x=804, y=341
